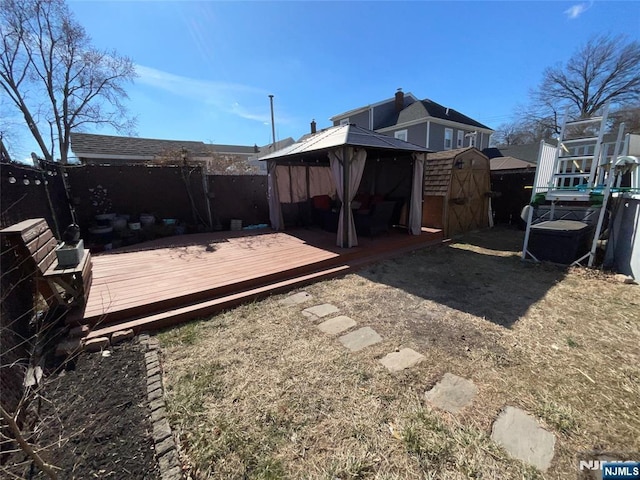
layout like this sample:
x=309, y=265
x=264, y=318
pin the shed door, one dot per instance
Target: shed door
x=468, y=205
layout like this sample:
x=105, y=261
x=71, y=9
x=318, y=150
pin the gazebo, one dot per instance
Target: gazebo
x=341, y=155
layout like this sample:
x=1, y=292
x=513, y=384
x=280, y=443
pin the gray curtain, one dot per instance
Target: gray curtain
x=275, y=211
x=417, y=187
x=355, y=160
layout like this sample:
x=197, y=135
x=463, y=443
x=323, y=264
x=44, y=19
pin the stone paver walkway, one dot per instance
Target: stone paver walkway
x=397, y=361
x=514, y=429
x=361, y=338
x=320, y=311
x=336, y=325
x=520, y=435
x=452, y=393
x=296, y=299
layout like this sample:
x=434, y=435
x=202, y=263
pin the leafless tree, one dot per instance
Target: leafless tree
x=606, y=69
x=523, y=131
x=57, y=80
x=630, y=115
x=181, y=158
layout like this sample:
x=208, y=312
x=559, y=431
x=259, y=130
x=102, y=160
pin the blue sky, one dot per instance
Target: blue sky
x=206, y=68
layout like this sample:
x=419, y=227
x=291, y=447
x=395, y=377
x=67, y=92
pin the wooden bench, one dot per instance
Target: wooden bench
x=34, y=245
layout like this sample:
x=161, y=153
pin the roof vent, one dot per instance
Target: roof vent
x=447, y=111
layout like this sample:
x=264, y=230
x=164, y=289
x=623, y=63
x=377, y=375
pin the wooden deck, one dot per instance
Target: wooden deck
x=176, y=279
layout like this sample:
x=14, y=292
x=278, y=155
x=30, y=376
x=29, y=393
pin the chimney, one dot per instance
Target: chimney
x=399, y=100
x=313, y=126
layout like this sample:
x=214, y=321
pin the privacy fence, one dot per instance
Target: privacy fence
x=171, y=192
x=61, y=193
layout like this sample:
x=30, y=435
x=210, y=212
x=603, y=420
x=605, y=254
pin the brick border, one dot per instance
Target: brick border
x=165, y=446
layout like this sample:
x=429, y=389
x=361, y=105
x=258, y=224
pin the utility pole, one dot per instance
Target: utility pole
x=273, y=125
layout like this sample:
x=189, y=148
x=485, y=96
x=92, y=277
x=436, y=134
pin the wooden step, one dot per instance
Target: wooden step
x=201, y=309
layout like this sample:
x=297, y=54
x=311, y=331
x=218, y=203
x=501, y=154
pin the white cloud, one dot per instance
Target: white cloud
x=222, y=96
x=241, y=111
x=578, y=9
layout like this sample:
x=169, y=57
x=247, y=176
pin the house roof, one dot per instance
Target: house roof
x=345, y=135
x=407, y=96
x=510, y=163
x=429, y=108
x=92, y=145
x=438, y=169
x=415, y=110
x=280, y=144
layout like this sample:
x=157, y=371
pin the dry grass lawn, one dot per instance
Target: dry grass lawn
x=260, y=392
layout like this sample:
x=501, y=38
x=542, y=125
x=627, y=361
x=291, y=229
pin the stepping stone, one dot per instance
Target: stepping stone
x=320, y=311
x=521, y=436
x=405, y=358
x=296, y=299
x=452, y=393
x=337, y=325
x=361, y=338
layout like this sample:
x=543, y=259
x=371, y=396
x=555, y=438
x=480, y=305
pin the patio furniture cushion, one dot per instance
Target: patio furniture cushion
x=322, y=202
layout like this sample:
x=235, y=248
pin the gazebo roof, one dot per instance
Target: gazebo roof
x=344, y=135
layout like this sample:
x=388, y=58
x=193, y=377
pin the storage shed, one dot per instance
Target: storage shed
x=457, y=186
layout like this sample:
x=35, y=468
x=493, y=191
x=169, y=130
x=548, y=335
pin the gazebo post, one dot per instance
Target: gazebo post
x=346, y=205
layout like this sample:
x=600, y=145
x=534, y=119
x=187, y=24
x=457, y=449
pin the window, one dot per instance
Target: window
x=401, y=135
x=448, y=138
x=344, y=121
x=460, y=139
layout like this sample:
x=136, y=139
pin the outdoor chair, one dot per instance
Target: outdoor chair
x=376, y=220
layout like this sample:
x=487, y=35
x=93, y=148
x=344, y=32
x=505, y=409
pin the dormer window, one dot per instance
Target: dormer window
x=344, y=121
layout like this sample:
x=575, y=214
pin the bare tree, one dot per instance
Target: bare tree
x=181, y=158
x=605, y=69
x=523, y=131
x=56, y=79
x=630, y=115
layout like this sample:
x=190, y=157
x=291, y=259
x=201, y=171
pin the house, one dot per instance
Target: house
x=92, y=149
x=421, y=122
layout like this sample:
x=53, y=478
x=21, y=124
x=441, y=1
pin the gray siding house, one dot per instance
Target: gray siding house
x=423, y=122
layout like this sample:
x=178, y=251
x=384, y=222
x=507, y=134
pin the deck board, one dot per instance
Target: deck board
x=171, y=272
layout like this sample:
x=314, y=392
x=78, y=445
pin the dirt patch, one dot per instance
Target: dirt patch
x=95, y=421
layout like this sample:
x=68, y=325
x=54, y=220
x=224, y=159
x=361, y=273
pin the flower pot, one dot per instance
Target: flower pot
x=101, y=234
x=104, y=219
x=69, y=255
x=119, y=224
x=147, y=220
